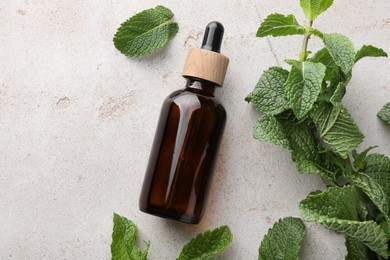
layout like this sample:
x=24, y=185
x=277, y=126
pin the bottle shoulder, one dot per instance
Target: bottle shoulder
x=185, y=95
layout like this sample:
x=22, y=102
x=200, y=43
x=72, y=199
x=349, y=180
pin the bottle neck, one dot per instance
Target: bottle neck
x=201, y=86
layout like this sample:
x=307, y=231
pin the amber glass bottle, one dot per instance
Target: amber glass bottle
x=189, y=132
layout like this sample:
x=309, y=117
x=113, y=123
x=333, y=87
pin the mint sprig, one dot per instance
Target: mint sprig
x=304, y=113
x=283, y=240
x=208, y=245
x=124, y=244
x=146, y=32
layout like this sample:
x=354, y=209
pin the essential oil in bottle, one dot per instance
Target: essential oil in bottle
x=189, y=132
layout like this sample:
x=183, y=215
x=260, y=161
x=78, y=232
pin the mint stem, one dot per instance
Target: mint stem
x=306, y=38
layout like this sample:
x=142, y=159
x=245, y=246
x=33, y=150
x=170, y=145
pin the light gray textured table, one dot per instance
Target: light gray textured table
x=77, y=120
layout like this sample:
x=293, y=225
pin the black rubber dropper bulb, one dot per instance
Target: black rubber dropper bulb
x=213, y=35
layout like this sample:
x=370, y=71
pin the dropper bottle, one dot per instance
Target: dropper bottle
x=192, y=121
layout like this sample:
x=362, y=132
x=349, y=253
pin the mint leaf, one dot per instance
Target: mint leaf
x=323, y=56
x=303, y=86
x=337, y=209
x=357, y=250
x=336, y=128
x=124, y=245
x=313, y=8
x=369, y=51
x=375, y=181
x=386, y=228
x=384, y=113
x=373, y=189
x=302, y=143
x=304, y=149
x=146, y=32
x=378, y=167
x=283, y=240
x=338, y=94
x=360, y=159
x=207, y=246
x=267, y=128
x=269, y=95
x=341, y=49
x=280, y=25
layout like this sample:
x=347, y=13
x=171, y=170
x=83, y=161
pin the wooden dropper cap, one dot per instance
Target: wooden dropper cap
x=207, y=63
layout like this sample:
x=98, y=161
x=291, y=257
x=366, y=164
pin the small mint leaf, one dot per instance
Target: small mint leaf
x=341, y=49
x=269, y=95
x=384, y=113
x=124, y=245
x=313, y=8
x=369, y=51
x=303, y=86
x=336, y=128
x=283, y=240
x=146, y=32
x=316, y=32
x=360, y=159
x=357, y=250
x=337, y=209
x=268, y=129
x=339, y=93
x=280, y=25
x=207, y=246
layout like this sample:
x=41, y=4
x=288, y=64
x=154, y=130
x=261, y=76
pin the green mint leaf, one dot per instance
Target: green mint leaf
x=369, y=51
x=375, y=181
x=374, y=190
x=302, y=142
x=341, y=49
x=313, y=8
x=336, y=128
x=269, y=95
x=332, y=72
x=386, y=227
x=146, y=32
x=384, y=113
x=283, y=240
x=316, y=32
x=269, y=129
x=303, y=147
x=378, y=167
x=303, y=86
x=207, y=246
x=360, y=159
x=280, y=25
x=338, y=94
x=124, y=245
x=337, y=209
x=357, y=250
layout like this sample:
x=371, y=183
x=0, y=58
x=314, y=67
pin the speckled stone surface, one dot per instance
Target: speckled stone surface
x=77, y=121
